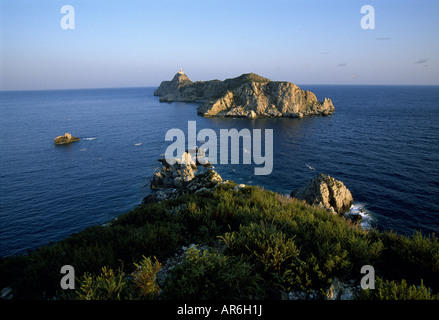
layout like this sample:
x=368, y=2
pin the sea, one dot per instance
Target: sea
x=382, y=142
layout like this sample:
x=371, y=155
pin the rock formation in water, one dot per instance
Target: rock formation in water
x=326, y=192
x=65, y=139
x=248, y=95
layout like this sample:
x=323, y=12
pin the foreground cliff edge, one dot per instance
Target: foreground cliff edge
x=249, y=96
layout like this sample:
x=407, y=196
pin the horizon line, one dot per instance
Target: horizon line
x=301, y=84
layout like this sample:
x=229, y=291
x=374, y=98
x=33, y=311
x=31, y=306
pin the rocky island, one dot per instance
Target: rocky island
x=65, y=139
x=249, y=96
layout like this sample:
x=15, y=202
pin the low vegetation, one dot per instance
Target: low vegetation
x=246, y=244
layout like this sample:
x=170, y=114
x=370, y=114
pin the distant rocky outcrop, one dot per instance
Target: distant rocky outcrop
x=326, y=192
x=190, y=173
x=65, y=139
x=248, y=95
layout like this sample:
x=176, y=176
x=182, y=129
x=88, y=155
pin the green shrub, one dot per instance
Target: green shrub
x=411, y=258
x=272, y=243
x=105, y=286
x=144, y=277
x=212, y=275
x=392, y=290
x=274, y=254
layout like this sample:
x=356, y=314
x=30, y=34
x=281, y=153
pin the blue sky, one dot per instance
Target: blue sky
x=140, y=43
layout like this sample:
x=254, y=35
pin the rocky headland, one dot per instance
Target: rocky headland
x=192, y=173
x=65, y=139
x=200, y=237
x=249, y=96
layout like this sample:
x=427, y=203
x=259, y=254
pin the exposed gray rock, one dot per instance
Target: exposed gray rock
x=239, y=187
x=248, y=95
x=337, y=290
x=326, y=192
x=174, y=175
x=341, y=291
x=300, y=295
x=186, y=175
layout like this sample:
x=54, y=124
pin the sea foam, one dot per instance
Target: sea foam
x=360, y=209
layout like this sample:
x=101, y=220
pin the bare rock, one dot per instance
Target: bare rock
x=247, y=96
x=252, y=115
x=173, y=175
x=340, y=291
x=65, y=139
x=239, y=187
x=186, y=175
x=326, y=192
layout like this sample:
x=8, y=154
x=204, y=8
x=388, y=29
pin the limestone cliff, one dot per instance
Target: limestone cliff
x=248, y=95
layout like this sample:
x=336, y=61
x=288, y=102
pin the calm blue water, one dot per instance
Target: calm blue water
x=382, y=142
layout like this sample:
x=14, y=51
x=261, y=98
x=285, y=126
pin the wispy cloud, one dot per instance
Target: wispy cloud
x=421, y=61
